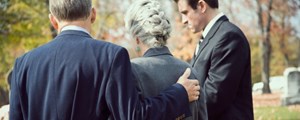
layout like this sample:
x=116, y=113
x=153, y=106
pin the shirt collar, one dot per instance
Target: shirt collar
x=211, y=23
x=73, y=27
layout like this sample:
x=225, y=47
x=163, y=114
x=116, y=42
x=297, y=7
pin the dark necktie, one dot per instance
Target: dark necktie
x=198, y=47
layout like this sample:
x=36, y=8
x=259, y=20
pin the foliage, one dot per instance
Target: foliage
x=23, y=26
x=283, y=35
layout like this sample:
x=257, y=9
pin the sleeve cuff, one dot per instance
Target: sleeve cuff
x=183, y=96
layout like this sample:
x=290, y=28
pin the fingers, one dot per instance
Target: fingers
x=197, y=93
x=186, y=73
x=195, y=82
x=193, y=98
x=198, y=88
x=194, y=90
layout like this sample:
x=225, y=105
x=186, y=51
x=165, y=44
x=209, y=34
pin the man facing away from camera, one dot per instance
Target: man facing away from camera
x=75, y=77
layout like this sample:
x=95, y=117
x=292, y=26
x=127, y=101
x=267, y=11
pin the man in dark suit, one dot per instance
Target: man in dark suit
x=75, y=77
x=222, y=60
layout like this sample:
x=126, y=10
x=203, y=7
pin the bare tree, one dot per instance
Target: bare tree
x=265, y=43
x=284, y=30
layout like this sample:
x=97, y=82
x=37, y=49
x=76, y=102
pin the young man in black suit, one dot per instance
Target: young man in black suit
x=222, y=60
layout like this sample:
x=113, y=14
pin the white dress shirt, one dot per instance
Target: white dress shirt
x=74, y=27
x=207, y=29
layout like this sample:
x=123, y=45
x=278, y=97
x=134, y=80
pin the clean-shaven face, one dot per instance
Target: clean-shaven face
x=194, y=19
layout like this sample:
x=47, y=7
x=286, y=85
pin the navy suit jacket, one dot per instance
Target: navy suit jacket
x=75, y=77
x=223, y=64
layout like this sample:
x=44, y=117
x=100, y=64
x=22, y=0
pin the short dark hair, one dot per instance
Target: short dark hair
x=211, y=3
x=70, y=10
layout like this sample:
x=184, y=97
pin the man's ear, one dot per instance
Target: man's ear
x=93, y=15
x=202, y=6
x=53, y=21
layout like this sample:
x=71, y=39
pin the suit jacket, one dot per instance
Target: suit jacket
x=75, y=77
x=223, y=64
x=157, y=70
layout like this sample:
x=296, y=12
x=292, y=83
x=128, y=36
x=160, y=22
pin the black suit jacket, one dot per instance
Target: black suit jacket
x=75, y=77
x=223, y=64
x=157, y=70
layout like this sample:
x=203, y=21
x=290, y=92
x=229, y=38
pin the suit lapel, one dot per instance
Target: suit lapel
x=210, y=34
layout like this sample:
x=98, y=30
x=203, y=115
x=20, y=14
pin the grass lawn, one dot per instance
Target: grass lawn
x=277, y=113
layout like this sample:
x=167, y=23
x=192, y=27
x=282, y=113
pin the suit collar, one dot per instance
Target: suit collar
x=74, y=32
x=157, y=51
x=210, y=34
x=215, y=27
x=211, y=23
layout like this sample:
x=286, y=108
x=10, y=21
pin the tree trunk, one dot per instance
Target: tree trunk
x=299, y=52
x=265, y=45
x=266, y=54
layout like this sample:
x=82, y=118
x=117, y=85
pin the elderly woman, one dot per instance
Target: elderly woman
x=157, y=69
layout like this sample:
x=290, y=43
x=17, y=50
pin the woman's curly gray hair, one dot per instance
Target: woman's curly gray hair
x=146, y=20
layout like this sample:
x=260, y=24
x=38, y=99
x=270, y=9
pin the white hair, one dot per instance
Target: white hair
x=146, y=20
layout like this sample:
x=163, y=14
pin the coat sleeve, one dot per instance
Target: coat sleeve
x=125, y=103
x=15, y=112
x=228, y=64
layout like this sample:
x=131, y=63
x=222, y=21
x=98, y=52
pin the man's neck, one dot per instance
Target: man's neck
x=212, y=13
x=83, y=24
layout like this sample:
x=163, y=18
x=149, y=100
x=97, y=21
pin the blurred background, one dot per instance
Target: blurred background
x=271, y=26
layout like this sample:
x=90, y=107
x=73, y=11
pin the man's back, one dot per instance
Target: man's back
x=62, y=79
